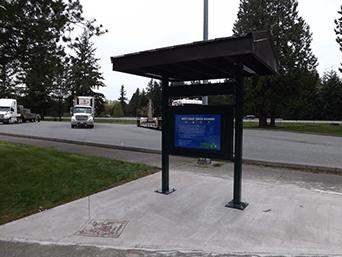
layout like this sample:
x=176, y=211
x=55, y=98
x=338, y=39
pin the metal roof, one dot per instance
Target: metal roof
x=203, y=60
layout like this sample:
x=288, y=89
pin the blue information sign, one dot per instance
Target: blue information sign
x=198, y=131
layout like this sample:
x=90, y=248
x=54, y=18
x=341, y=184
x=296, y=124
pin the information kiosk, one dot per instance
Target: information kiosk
x=204, y=131
x=201, y=131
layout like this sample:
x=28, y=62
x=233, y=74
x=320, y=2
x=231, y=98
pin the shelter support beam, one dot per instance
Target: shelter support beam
x=165, y=189
x=236, y=202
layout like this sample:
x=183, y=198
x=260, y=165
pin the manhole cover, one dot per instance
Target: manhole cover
x=102, y=228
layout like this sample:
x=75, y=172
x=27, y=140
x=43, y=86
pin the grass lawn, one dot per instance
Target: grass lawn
x=311, y=128
x=34, y=179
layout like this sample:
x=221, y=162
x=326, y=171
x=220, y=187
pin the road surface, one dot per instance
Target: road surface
x=263, y=145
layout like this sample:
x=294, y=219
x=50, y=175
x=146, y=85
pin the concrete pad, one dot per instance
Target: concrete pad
x=282, y=218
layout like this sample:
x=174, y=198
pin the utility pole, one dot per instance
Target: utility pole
x=205, y=161
x=205, y=37
x=205, y=20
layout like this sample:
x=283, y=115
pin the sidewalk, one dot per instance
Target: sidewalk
x=290, y=213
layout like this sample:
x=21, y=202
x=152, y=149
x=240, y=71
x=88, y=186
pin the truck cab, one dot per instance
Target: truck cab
x=83, y=112
x=8, y=111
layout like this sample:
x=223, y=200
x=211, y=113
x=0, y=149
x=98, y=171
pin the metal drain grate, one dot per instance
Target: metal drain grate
x=102, y=228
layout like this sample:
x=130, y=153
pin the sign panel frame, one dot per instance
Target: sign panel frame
x=226, y=114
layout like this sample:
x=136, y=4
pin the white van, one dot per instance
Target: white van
x=8, y=111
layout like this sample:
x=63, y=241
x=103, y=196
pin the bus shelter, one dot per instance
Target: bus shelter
x=204, y=131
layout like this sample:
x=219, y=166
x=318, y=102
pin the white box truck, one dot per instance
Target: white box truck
x=83, y=112
x=8, y=111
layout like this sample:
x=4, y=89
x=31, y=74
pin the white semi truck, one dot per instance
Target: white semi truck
x=8, y=111
x=83, y=112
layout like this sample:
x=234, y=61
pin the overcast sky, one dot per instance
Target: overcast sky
x=136, y=25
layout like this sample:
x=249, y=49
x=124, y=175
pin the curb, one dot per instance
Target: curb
x=294, y=166
x=117, y=147
x=272, y=164
x=22, y=248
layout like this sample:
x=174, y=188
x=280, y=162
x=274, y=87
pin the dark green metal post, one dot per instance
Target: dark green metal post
x=236, y=202
x=165, y=151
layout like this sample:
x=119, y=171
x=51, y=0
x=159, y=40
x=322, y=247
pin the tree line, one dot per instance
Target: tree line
x=46, y=54
x=138, y=104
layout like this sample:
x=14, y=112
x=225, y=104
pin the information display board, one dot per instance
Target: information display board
x=202, y=131
x=198, y=131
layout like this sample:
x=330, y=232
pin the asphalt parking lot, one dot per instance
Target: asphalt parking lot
x=263, y=145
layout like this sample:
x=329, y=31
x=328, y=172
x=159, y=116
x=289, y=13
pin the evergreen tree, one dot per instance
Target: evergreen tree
x=338, y=31
x=133, y=105
x=331, y=96
x=292, y=41
x=304, y=106
x=100, y=101
x=40, y=75
x=31, y=49
x=33, y=29
x=85, y=75
x=123, y=99
x=154, y=93
x=142, y=104
x=60, y=89
x=12, y=18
